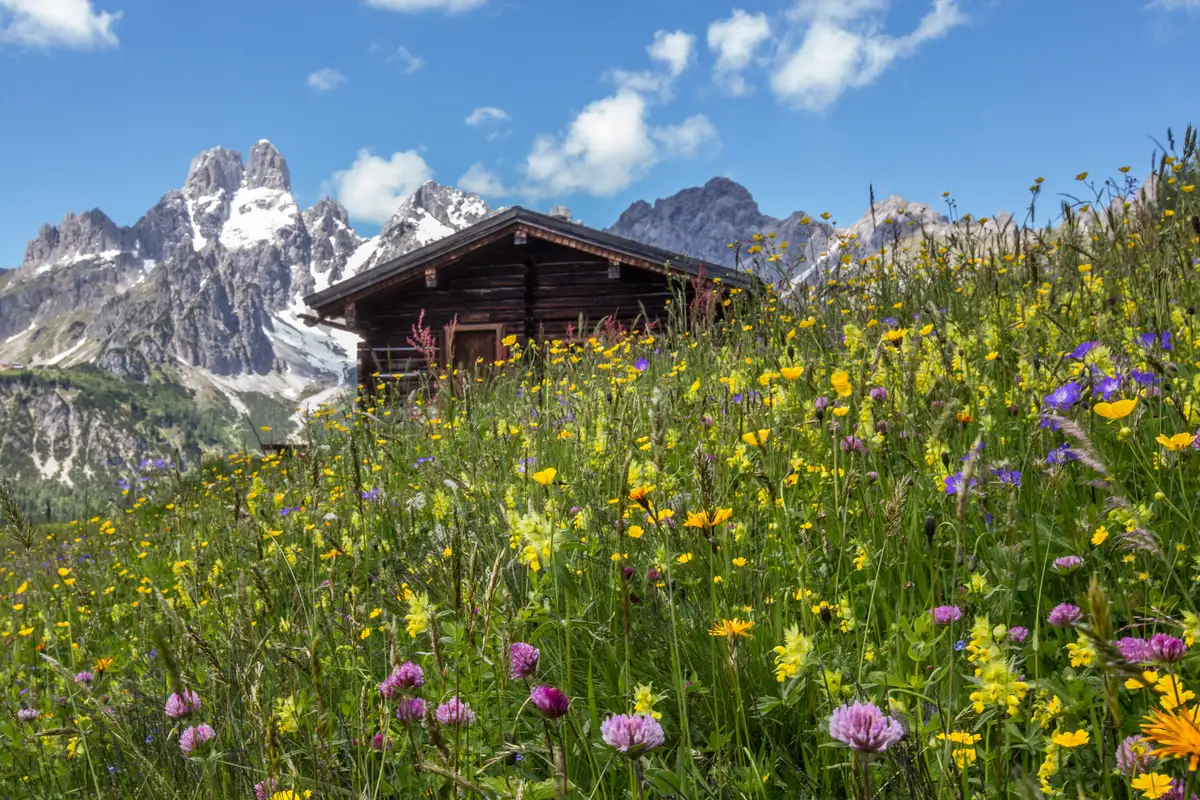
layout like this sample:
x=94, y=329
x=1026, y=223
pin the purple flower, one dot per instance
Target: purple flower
x=1082, y=350
x=524, y=660
x=632, y=734
x=455, y=712
x=1064, y=396
x=27, y=715
x=1068, y=563
x=878, y=394
x=194, y=737
x=406, y=676
x=1134, y=650
x=1107, y=386
x=1152, y=340
x=1144, y=378
x=1064, y=615
x=1166, y=648
x=410, y=709
x=1009, y=477
x=944, y=615
x=180, y=704
x=380, y=742
x=641, y=365
x=265, y=789
x=863, y=727
x=1017, y=634
x=84, y=678
x=954, y=483
x=821, y=403
x=550, y=701
x=853, y=444
x=1134, y=755
x=1061, y=455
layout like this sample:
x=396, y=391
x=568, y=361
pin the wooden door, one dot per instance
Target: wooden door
x=468, y=346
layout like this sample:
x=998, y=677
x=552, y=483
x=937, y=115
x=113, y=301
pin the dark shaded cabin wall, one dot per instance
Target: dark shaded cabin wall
x=536, y=290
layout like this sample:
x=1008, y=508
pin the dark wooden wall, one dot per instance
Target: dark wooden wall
x=535, y=290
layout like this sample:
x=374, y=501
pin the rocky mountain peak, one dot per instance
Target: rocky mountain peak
x=267, y=169
x=78, y=235
x=327, y=207
x=214, y=172
x=430, y=213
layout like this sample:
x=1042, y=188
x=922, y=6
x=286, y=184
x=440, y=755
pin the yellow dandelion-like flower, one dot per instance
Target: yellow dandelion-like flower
x=732, y=628
x=1175, y=734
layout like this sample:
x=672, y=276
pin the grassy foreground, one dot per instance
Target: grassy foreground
x=959, y=491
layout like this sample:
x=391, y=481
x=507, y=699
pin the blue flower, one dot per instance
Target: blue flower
x=1082, y=350
x=422, y=460
x=1009, y=477
x=954, y=483
x=1144, y=378
x=1152, y=340
x=1064, y=396
x=1107, y=386
x=1061, y=455
x=641, y=365
x=960, y=645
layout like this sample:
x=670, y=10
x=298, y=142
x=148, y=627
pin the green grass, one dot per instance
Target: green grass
x=431, y=528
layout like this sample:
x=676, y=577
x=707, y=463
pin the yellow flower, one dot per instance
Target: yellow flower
x=1175, y=734
x=510, y=340
x=636, y=531
x=1071, y=738
x=704, y=519
x=1172, y=691
x=1176, y=442
x=757, y=438
x=546, y=476
x=960, y=737
x=1117, y=410
x=683, y=559
x=644, y=700
x=792, y=655
x=791, y=373
x=731, y=628
x=1152, y=784
x=103, y=664
x=1099, y=536
x=964, y=756
x=640, y=495
x=840, y=381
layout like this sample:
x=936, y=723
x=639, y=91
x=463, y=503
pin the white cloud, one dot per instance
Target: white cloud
x=611, y=142
x=409, y=63
x=73, y=24
x=736, y=41
x=481, y=181
x=689, y=138
x=485, y=114
x=672, y=49
x=1171, y=5
x=373, y=187
x=326, y=80
x=841, y=47
x=415, y=6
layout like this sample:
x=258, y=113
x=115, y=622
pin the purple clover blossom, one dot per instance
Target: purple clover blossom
x=455, y=712
x=84, y=678
x=954, y=483
x=380, y=742
x=1064, y=396
x=1134, y=650
x=406, y=676
x=181, y=704
x=821, y=403
x=1082, y=350
x=864, y=728
x=1166, y=648
x=411, y=709
x=944, y=615
x=1134, y=755
x=1068, y=563
x=194, y=737
x=551, y=702
x=1017, y=634
x=632, y=734
x=264, y=790
x=27, y=715
x=1064, y=615
x=523, y=659
x=878, y=394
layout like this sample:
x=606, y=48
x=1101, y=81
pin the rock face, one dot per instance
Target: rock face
x=702, y=221
x=432, y=212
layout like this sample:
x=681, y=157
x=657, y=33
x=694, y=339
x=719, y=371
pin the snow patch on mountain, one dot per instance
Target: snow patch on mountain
x=258, y=215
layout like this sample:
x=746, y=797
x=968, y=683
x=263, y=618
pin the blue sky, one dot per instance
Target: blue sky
x=594, y=104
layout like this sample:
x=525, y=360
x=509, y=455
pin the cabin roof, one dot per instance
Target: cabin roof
x=535, y=224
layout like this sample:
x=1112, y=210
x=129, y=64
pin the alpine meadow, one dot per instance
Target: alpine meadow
x=924, y=526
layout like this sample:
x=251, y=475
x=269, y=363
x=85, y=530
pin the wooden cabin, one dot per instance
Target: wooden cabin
x=516, y=273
